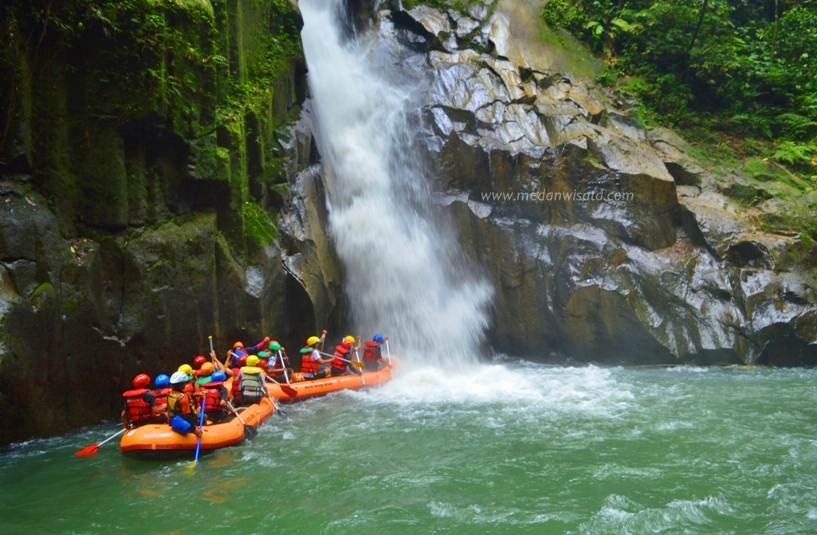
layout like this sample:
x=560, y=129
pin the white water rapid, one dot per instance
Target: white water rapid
x=405, y=274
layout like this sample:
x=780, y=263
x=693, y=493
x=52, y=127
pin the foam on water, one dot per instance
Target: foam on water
x=586, y=389
x=405, y=273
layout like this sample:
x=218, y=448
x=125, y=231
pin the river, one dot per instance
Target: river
x=504, y=448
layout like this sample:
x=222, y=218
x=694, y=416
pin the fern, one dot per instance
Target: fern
x=797, y=154
x=797, y=126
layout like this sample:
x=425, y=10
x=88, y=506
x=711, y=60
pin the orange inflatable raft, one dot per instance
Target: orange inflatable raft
x=159, y=440
x=327, y=385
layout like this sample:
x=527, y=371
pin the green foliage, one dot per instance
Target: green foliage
x=460, y=5
x=798, y=155
x=258, y=224
x=733, y=65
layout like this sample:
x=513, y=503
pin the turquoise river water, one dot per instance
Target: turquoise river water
x=504, y=448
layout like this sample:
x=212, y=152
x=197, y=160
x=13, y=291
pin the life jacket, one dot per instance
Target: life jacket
x=175, y=405
x=307, y=364
x=189, y=388
x=235, y=389
x=337, y=362
x=161, y=396
x=252, y=383
x=371, y=351
x=139, y=411
x=212, y=397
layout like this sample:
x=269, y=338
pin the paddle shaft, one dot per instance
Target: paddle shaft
x=240, y=419
x=112, y=437
x=284, y=366
x=341, y=358
x=359, y=367
x=388, y=353
x=201, y=432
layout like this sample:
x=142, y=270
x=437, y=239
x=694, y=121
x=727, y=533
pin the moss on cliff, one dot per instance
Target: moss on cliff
x=133, y=135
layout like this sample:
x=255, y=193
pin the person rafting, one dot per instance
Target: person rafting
x=340, y=358
x=140, y=404
x=205, y=373
x=198, y=360
x=373, y=353
x=313, y=366
x=161, y=388
x=278, y=365
x=182, y=413
x=190, y=386
x=240, y=351
x=215, y=397
x=252, y=377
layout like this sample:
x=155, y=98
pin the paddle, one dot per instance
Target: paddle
x=283, y=365
x=352, y=362
x=359, y=365
x=201, y=432
x=388, y=353
x=249, y=430
x=278, y=409
x=93, y=448
x=288, y=390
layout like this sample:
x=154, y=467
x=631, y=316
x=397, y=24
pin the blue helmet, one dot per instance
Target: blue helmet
x=161, y=381
x=378, y=338
x=218, y=377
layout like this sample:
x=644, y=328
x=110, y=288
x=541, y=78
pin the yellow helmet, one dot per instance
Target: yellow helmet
x=253, y=360
x=312, y=340
x=349, y=339
x=186, y=369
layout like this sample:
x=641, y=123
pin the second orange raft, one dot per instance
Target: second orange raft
x=327, y=385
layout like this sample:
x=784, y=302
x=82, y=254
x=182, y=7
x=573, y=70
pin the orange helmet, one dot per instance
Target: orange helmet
x=207, y=368
x=238, y=345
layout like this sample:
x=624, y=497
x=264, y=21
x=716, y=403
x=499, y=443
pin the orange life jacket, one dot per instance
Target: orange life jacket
x=161, y=396
x=139, y=411
x=307, y=364
x=235, y=390
x=337, y=360
x=371, y=351
x=176, y=403
x=212, y=397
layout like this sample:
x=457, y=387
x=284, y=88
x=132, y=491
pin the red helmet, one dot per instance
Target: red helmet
x=242, y=361
x=141, y=381
x=198, y=360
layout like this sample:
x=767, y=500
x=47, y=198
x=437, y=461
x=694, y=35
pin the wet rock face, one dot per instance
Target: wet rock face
x=604, y=241
x=123, y=239
x=81, y=317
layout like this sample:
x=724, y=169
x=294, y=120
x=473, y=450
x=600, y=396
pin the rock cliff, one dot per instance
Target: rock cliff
x=606, y=241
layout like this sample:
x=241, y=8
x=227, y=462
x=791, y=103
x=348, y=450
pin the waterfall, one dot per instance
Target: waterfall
x=405, y=274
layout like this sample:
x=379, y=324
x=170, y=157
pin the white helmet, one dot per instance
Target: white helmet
x=179, y=377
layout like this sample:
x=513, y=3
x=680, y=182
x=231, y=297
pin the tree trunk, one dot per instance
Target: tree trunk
x=697, y=27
